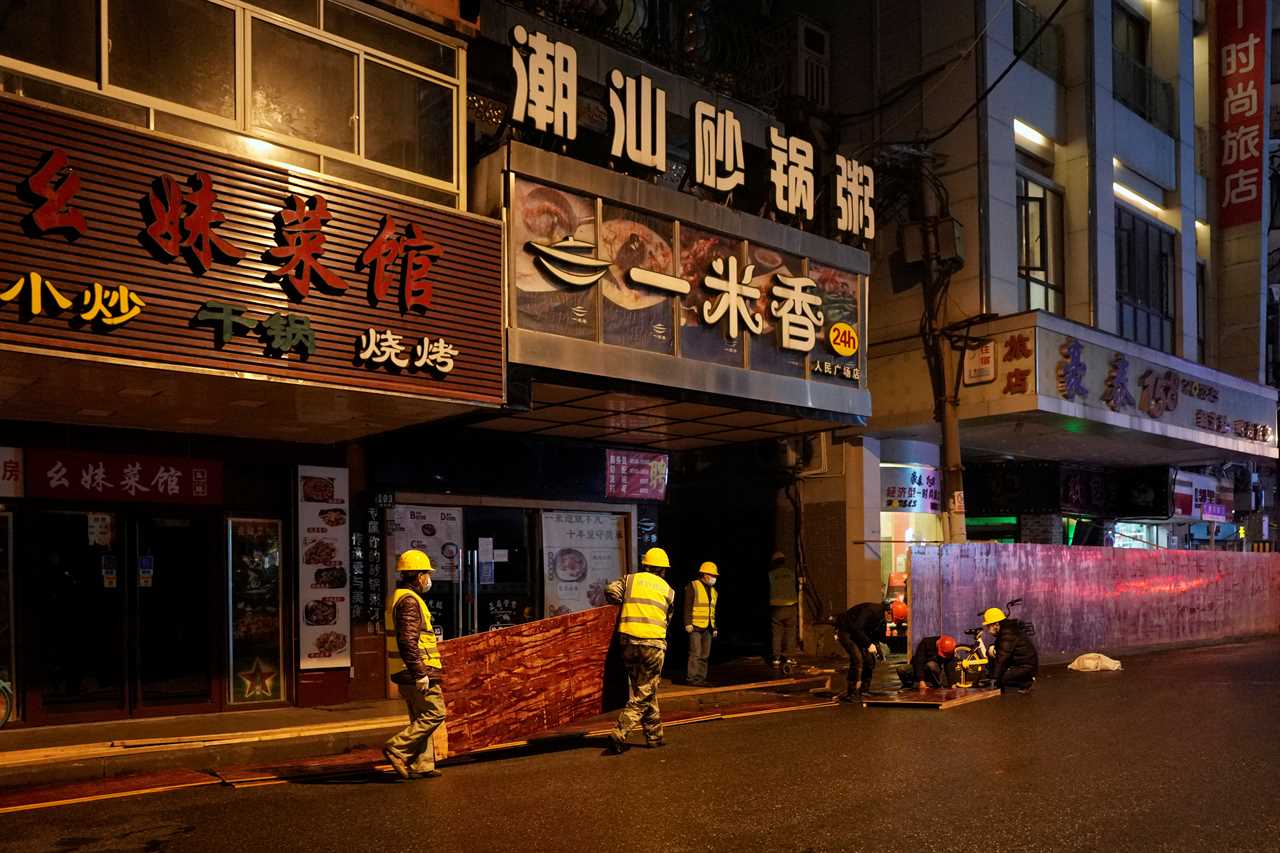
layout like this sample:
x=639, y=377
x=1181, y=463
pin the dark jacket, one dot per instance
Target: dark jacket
x=864, y=623
x=408, y=618
x=926, y=652
x=1013, y=649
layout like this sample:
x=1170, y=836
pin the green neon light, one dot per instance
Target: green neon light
x=990, y=521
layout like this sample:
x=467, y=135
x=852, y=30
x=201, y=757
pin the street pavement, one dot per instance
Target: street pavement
x=1176, y=753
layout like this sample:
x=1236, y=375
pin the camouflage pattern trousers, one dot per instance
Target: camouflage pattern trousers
x=644, y=671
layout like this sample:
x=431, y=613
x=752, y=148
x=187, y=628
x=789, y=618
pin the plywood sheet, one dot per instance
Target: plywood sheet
x=1097, y=599
x=932, y=697
x=503, y=686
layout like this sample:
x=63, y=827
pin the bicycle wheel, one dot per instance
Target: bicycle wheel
x=969, y=672
x=6, y=704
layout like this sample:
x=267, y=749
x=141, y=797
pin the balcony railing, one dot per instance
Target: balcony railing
x=1046, y=53
x=1138, y=88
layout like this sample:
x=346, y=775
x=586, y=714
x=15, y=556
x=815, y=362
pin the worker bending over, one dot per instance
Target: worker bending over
x=860, y=630
x=930, y=664
x=1016, y=661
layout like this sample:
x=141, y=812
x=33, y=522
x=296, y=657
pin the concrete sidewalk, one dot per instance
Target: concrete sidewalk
x=206, y=742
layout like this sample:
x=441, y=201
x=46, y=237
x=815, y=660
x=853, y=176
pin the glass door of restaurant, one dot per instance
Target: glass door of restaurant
x=119, y=609
x=173, y=566
x=497, y=589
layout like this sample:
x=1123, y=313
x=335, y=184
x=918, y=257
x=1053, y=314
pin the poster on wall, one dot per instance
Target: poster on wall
x=256, y=643
x=324, y=623
x=582, y=552
x=434, y=530
x=10, y=472
x=636, y=475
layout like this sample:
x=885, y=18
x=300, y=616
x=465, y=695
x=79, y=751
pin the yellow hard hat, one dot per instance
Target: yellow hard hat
x=414, y=560
x=992, y=616
x=656, y=557
x=709, y=568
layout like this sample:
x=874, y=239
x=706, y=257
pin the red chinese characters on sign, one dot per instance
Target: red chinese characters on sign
x=181, y=221
x=51, y=188
x=418, y=251
x=1242, y=65
x=299, y=231
x=635, y=475
x=79, y=475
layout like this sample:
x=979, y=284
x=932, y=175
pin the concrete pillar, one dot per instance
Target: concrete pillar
x=862, y=520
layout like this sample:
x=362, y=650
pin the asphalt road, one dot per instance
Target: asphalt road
x=1177, y=753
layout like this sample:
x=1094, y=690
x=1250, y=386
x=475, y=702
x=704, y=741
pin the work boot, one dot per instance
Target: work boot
x=656, y=743
x=397, y=764
x=430, y=774
x=617, y=745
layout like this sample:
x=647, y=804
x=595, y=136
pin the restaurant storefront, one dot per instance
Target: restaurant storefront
x=194, y=343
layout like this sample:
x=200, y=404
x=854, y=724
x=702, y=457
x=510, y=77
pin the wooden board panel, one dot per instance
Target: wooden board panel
x=117, y=168
x=503, y=686
x=931, y=697
x=1097, y=599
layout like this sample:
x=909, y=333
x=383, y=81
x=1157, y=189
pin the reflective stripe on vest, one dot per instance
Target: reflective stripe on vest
x=426, y=639
x=646, y=607
x=704, y=607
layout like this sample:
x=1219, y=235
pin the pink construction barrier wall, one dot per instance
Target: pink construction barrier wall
x=1106, y=600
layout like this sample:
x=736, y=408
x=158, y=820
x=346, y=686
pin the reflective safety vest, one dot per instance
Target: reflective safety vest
x=782, y=587
x=426, y=639
x=646, y=606
x=704, y=606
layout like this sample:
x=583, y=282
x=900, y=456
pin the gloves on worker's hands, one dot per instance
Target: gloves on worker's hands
x=424, y=682
x=715, y=634
x=688, y=629
x=871, y=649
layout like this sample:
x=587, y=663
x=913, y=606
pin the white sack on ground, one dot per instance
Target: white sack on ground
x=1094, y=662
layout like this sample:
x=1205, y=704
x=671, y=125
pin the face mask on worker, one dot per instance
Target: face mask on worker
x=426, y=582
x=708, y=580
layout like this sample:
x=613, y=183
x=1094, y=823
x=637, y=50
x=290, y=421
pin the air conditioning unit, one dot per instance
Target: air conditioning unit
x=811, y=63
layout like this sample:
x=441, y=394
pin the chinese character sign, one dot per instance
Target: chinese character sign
x=635, y=475
x=638, y=116
x=546, y=83
x=78, y=475
x=1242, y=82
x=10, y=472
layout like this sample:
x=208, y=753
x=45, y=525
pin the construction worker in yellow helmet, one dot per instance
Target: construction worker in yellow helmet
x=700, y=600
x=1015, y=662
x=647, y=601
x=413, y=663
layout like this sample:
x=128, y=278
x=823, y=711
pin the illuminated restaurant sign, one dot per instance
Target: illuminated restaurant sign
x=118, y=244
x=546, y=100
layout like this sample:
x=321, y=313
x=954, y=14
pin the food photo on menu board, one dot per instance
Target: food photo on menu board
x=323, y=528
x=635, y=316
x=582, y=553
x=550, y=226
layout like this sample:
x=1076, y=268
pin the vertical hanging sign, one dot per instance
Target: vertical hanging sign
x=1242, y=91
x=324, y=603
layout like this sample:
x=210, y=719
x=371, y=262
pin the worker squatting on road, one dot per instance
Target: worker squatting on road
x=784, y=599
x=860, y=630
x=413, y=663
x=1016, y=662
x=647, y=601
x=700, y=600
x=930, y=663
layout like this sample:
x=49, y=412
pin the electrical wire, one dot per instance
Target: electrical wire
x=1017, y=57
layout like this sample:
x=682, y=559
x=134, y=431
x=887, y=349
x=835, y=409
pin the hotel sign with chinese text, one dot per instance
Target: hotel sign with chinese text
x=119, y=245
x=1242, y=92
